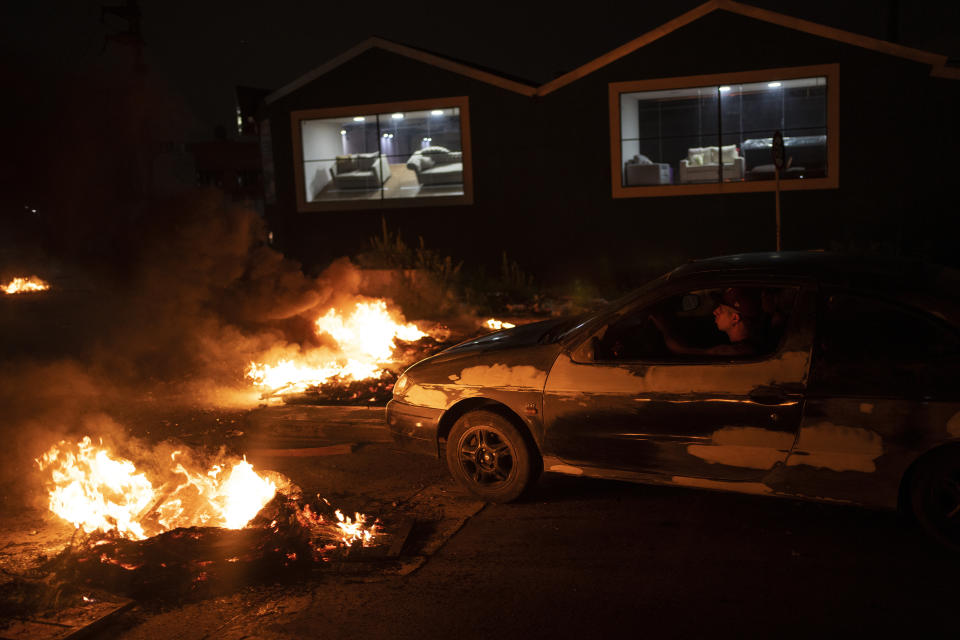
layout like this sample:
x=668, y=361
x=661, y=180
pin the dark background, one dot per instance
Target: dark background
x=203, y=50
x=90, y=91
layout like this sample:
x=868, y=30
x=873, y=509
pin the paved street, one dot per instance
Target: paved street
x=580, y=557
x=577, y=558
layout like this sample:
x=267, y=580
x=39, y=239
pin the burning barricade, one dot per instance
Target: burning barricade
x=184, y=528
x=372, y=344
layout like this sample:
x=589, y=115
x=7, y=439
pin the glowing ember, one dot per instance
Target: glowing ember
x=25, y=285
x=353, y=530
x=347, y=530
x=365, y=339
x=98, y=491
x=497, y=325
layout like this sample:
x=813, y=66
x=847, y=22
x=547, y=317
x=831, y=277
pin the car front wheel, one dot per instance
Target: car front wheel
x=489, y=456
x=935, y=496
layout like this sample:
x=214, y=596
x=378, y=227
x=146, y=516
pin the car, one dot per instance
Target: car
x=846, y=390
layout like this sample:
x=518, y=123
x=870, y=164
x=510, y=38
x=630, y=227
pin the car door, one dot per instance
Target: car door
x=882, y=391
x=708, y=417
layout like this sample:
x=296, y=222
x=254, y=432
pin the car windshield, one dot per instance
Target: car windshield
x=561, y=331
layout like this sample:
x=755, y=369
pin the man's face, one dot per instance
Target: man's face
x=725, y=317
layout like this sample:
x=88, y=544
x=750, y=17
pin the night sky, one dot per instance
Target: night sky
x=202, y=50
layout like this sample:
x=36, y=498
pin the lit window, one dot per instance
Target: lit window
x=384, y=155
x=688, y=135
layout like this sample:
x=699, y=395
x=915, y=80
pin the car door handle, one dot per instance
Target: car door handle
x=768, y=395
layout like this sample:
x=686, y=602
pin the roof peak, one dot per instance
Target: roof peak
x=938, y=62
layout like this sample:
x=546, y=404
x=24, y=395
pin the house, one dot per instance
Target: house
x=659, y=151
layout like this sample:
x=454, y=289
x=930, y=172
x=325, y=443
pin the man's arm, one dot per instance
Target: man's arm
x=670, y=340
x=675, y=346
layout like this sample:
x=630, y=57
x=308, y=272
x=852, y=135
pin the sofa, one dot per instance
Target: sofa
x=437, y=165
x=641, y=170
x=702, y=164
x=807, y=156
x=360, y=171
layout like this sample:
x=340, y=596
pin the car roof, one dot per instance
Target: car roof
x=833, y=268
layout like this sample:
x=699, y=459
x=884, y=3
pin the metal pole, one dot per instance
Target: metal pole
x=776, y=173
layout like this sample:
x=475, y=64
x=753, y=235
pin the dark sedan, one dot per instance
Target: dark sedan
x=801, y=374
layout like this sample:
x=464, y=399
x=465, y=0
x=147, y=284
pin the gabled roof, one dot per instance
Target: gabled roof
x=410, y=52
x=937, y=62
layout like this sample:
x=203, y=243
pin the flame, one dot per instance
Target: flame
x=353, y=530
x=98, y=491
x=366, y=340
x=25, y=285
x=342, y=529
x=497, y=325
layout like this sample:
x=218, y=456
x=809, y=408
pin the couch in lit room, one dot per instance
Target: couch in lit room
x=641, y=170
x=360, y=171
x=807, y=156
x=437, y=165
x=702, y=164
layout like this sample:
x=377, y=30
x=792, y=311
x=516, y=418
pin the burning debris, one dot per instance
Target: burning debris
x=178, y=528
x=289, y=537
x=496, y=325
x=29, y=284
x=96, y=490
x=369, y=344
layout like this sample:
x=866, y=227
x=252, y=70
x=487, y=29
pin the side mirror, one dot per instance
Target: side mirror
x=690, y=302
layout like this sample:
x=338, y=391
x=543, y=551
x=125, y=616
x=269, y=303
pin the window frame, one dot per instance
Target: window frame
x=297, y=117
x=830, y=181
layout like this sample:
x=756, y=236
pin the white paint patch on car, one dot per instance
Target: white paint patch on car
x=723, y=485
x=837, y=448
x=565, y=468
x=749, y=447
x=424, y=397
x=739, y=378
x=501, y=375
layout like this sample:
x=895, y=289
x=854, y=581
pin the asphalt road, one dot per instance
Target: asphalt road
x=577, y=558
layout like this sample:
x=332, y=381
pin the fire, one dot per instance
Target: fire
x=353, y=530
x=98, y=491
x=365, y=338
x=346, y=529
x=497, y=325
x=25, y=285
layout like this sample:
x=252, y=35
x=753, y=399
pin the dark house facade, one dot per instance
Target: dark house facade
x=658, y=152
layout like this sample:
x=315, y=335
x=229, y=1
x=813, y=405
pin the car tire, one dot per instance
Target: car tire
x=935, y=496
x=490, y=457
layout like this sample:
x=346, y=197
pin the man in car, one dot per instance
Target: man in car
x=738, y=314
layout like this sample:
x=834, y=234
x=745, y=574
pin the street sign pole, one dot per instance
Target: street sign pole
x=776, y=173
x=777, y=167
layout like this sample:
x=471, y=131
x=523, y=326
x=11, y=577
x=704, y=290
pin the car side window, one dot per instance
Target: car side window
x=716, y=324
x=872, y=346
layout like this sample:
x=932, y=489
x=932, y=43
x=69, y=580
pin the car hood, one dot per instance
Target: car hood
x=515, y=359
x=523, y=336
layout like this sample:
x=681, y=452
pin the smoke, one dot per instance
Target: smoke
x=197, y=295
